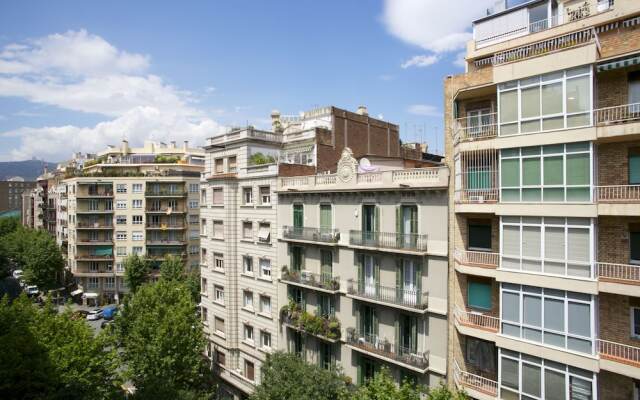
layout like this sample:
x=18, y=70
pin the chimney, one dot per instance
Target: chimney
x=275, y=121
x=185, y=146
x=125, y=147
x=362, y=110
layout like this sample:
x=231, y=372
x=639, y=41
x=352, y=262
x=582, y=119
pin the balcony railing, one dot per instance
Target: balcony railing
x=95, y=242
x=624, y=273
x=94, y=257
x=165, y=209
x=617, y=114
x=165, y=242
x=469, y=128
x=153, y=225
x=617, y=193
x=322, y=281
x=165, y=193
x=99, y=193
x=619, y=352
x=94, y=225
x=477, y=320
x=477, y=196
x=327, y=328
x=389, y=240
x=325, y=235
x=383, y=347
x=408, y=297
x=476, y=258
x=475, y=382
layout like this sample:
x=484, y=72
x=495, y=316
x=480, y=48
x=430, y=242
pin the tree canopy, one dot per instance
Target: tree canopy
x=136, y=272
x=172, y=268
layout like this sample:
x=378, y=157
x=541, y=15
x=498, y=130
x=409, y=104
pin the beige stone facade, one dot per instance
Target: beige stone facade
x=544, y=274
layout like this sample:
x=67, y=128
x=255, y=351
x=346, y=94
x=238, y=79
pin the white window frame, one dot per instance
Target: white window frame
x=218, y=261
x=137, y=219
x=263, y=269
x=266, y=196
x=247, y=190
x=249, y=333
x=262, y=308
x=250, y=236
x=121, y=235
x=218, y=292
x=121, y=188
x=136, y=203
x=121, y=205
x=264, y=334
x=121, y=219
x=137, y=236
x=194, y=188
x=247, y=295
x=264, y=232
x=217, y=234
x=193, y=204
x=137, y=188
x=247, y=261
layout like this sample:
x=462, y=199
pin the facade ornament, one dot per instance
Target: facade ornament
x=347, y=166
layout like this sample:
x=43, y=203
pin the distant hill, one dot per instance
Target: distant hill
x=29, y=169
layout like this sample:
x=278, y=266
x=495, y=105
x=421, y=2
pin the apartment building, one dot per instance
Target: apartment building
x=240, y=224
x=11, y=192
x=127, y=201
x=542, y=138
x=362, y=261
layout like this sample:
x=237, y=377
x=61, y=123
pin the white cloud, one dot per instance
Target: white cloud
x=460, y=61
x=420, y=61
x=433, y=25
x=82, y=72
x=424, y=110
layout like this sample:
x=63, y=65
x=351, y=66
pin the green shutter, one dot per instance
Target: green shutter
x=418, y=270
x=398, y=279
x=375, y=321
x=414, y=219
x=302, y=258
x=397, y=333
x=359, y=370
x=634, y=244
x=479, y=295
x=399, y=224
x=376, y=271
x=325, y=217
x=359, y=319
x=360, y=260
x=377, y=219
x=414, y=335
x=298, y=216
x=634, y=169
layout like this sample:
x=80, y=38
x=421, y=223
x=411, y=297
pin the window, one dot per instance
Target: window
x=137, y=203
x=203, y=226
x=93, y=267
x=193, y=249
x=247, y=299
x=479, y=294
x=121, y=219
x=219, y=166
x=193, y=234
x=247, y=230
x=232, y=163
x=480, y=235
x=121, y=204
x=218, y=260
x=549, y=245
x=203, y=196
x=121, y=235
x=265, y=304
x=203, y=256
x=121, y=188
x=219, y=293
x=247, y=196
x=634, y=164
x=193, y=204
x=558, y=100
x=136, y=250
x=634, y=243
x=248, y=332
x=136, y=188
x=136, y=219
x=220, y=357
x=635, y=322
x=481, y=354
x=193, y=219
x=218, y=230
x=553, y=173
x=553, y=317
x=265, y=339
x=247, y=263
x=217, y=196
x=119, y=267
x=137, y=236
x=326, y=218
x=219, y=325
x=249, y=371
x=203, y=286
x=204, y=314
x=121, y=251
x=265, y=195
x=526, y=377
x=194, y=188
x=265, y=268
x=264, y=233
x=93, y=283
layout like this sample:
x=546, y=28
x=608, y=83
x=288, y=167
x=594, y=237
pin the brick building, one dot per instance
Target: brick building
x=11, y=192
x=542, y=136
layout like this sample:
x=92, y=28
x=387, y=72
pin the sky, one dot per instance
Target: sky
x=79, y=75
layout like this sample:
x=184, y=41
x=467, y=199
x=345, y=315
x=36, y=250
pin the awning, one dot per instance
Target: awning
x=620, y=63
x=90, y=295
x=76, y=292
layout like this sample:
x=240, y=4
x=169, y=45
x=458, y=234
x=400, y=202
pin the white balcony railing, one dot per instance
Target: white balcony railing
x=619, y=352
x=475, y=382
x=617, y=193
x=625, y=273
x=621, y=113
x=477, y=320
x=470, y=128
x=477, y=196
x=479, y=258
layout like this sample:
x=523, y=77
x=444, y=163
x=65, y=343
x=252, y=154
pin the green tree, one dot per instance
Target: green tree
x=162, y=342
x=443, y=392
x=172, y=268
x=42, y=260
x=383, y=387
x=136, y=271
x=287, y=377
x=50, y=355
x=192, y=280
x=8, y=225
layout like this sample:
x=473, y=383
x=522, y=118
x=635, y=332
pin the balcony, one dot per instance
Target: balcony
x=476, y=320
x=403, y=178
x=619, y=358
x=405, y=298
x=165, y=242
x=165, y=226
x=92, y=194
x=617, y=114
x=410, y=242
x=482, y=259
x=324, y=328
x=485, y=388
x=243, y=134
x=617, y=193
x=94, y=225
x=382, y=348
x=166, y=193
x=321, y=235
x=470, y=129
x=323, y=282
x=94, y=257
x=95, y=211
x=94, y=242
x=165, y=210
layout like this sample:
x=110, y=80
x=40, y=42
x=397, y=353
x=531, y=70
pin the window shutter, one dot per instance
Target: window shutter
x=377, y=219
x=554, y=243
x=359, y=321
x=414, y=335
x=375, y=321
x=376, y=272
x=578, y=244
x=399, y=220
x=398, y=279
x=634, y=168
x=414, y=219
x=418, y=280
x=360, y=260
x=397, y=332
x=511, y=240
x=302, y=258
x=359, y=371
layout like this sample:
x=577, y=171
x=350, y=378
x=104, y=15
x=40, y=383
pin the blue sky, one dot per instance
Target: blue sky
x=77, y=75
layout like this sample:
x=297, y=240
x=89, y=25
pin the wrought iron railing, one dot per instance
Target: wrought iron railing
x=326, y=235
x=385, y=348
x=404, y=296
x=322, y=281
x=165, y=192
x=389, y=240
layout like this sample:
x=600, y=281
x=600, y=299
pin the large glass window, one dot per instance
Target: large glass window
x=479, y=235
x=549, y=245
x=558, y=100
x=552, y=173
x=527, y=377
x=553, y=317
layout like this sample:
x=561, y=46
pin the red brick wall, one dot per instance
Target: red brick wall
x=614, y=387
x=613, y=163
x=295, y=170
x=615, y=318
x=619, y=41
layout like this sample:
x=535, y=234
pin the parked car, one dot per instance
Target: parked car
x=18, y=273
x=32, y=290
x=94, y=315
x=109, y=312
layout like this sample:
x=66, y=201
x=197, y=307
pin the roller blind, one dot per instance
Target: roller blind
x=531, y=241
x=554, y=243
x=578, y=242
x=511, y=240
x=578, y=169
